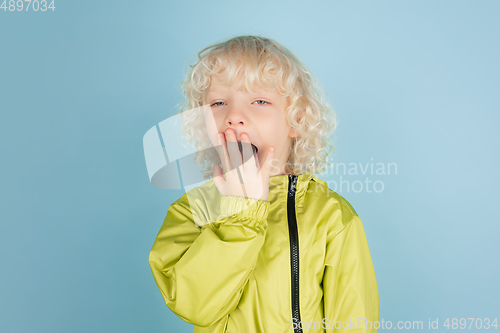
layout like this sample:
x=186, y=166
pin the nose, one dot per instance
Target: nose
x=235, y=118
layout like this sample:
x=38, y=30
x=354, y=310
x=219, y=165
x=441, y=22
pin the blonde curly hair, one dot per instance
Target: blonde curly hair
x=272, y=65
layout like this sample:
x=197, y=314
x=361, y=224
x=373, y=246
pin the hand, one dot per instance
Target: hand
x=254, y=183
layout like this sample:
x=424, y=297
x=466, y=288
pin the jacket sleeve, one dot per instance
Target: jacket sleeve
x=349, y=285
x=201, y=271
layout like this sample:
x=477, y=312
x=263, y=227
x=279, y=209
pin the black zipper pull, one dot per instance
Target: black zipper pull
x=293, y=184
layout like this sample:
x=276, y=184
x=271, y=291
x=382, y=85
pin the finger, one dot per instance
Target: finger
x=223, y=153
x=232, y=173
x=248, y=153
x=233, y=149
x=257, y=164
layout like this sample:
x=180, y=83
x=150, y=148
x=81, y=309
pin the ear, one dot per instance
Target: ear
x=293, y=133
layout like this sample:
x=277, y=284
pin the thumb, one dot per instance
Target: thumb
x=266, y=168
x=218, y=178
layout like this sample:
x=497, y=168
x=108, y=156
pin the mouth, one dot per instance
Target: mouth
x=254, y=147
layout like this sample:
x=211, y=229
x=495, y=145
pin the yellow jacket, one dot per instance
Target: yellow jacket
x=298, y=262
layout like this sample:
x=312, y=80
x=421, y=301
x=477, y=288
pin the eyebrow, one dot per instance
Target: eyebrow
x=258, y=92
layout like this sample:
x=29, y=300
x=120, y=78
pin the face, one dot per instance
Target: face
x=261, y=115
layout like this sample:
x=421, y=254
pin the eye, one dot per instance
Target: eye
x=260, y=100
x=216, y=103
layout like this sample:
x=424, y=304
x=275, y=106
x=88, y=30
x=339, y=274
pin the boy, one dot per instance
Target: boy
x=269, y=248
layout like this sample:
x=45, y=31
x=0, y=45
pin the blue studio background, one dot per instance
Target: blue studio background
x=414, y=83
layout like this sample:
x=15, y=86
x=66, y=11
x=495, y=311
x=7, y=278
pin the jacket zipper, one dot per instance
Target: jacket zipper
x=294, y=251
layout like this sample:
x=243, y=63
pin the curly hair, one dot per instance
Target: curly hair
x=272, y=65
